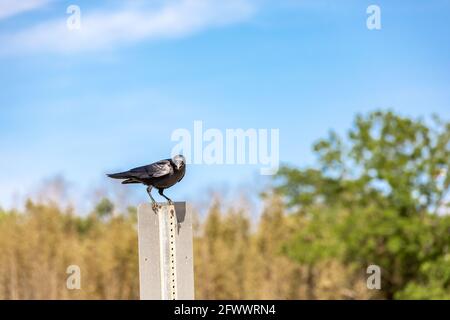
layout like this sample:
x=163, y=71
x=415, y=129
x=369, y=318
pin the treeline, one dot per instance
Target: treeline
x=378, y=196
x=234, y=258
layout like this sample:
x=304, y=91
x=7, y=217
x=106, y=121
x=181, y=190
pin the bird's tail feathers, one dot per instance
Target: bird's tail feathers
x=120, y=175
x=128, y=181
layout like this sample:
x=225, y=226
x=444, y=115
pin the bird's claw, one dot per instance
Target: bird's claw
x=154, y=207
x=170, y=202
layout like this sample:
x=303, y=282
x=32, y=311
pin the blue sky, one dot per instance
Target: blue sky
x=107, y=97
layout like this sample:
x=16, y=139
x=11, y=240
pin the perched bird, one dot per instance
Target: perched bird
x=160, y=175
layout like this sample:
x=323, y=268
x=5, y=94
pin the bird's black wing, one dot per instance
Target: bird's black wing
x=154, y=170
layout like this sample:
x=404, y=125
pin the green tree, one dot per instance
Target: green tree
x=104, y=208
x=373, y=199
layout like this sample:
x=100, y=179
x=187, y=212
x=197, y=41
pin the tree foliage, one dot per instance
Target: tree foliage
x=374, y=198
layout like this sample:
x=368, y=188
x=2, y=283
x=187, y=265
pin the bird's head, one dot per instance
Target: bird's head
x=179, y=161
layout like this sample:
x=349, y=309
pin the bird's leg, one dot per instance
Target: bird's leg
x=154, y=205
x=161, y=192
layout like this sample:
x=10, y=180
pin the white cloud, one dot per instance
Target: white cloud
x=9, y=8
x=131, y=24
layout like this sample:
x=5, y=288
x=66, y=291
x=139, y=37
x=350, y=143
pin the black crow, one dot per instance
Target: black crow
x=160, y=175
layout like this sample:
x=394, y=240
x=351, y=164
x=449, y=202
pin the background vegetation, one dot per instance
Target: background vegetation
x=376, y=196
